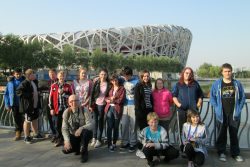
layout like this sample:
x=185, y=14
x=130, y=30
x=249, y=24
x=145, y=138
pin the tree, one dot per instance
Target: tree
x=207, y=70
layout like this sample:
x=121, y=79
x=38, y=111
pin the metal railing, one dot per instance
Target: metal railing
x=206, y=112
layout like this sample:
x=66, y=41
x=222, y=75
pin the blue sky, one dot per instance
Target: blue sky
x=220, y=28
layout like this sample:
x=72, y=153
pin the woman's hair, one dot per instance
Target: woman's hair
x=141, y=77
x=106, y=71
x=60, y=73
x=191, y=80
x=152, y=115
x=158, y=79
x=192, y=113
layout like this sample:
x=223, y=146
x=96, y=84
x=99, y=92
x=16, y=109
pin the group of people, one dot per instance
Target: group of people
x=78, y=112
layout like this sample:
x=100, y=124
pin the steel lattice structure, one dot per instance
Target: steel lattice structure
x=162, y=40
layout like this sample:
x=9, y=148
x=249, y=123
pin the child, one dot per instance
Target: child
x=113, y=111
x=154, y=141
x=194, y=137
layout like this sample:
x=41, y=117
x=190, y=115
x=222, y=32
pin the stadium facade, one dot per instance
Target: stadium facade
x=160, y=40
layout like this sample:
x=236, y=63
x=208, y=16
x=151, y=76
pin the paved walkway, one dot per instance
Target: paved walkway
x=19, y=154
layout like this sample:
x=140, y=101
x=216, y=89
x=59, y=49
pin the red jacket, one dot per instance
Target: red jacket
x=54, y=95
x=118, y=100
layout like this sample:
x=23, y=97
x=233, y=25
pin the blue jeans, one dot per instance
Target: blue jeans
x=99, y=121
x=112, y=125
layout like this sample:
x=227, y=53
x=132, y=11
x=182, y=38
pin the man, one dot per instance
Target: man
x=227, y=97
x=12, y=101
x=29, y=105
x=128, y=135
x=76, y=129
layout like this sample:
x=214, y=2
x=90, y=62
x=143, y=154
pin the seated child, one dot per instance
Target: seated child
x=194, y=137
x=154, y=141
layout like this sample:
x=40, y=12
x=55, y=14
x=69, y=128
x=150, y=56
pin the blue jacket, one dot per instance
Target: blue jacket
x=187, y=95
x=215, y=99
x=10, y=97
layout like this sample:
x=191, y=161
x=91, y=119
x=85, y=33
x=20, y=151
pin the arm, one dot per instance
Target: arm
x=65, y=126
x=203, y=139
x=213, y=96
x=120, y=97
x=20, y=91
x=175, y=93
x=242, y=97
x=7, y=97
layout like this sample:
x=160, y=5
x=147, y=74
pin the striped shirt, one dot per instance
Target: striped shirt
x=147, y=92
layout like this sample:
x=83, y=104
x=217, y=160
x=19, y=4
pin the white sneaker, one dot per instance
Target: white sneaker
x=238, y=158
x=93, y=142
x=190, y=164
x=140, y=154
x=222, y=157
x=98, y=144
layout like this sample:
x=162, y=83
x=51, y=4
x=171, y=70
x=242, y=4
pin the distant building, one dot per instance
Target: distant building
x=161, y=40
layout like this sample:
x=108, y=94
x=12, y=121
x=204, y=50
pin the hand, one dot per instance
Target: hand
x=198, y=105
x=52, y=112
x=90, y=109
x=78, y=131
x=192, y=139
x=149, y=145
x=67, y=146
x=179, y=105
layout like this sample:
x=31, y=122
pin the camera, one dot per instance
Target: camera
x=76, y=125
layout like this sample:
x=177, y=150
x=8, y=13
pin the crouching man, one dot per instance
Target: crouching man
x=76, y=129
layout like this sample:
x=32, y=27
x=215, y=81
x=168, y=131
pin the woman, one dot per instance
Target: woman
x=187, y=94
x=143, y=99
x=97, y=104
x=162, y=99
x=82, y=88
x=194, y=137
x=113, y=109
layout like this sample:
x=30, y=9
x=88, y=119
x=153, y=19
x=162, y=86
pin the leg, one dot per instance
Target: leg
x=221, y=140
x=189, y=150
x=96, y=116
x=116, y=130
x=110, y=125
x=170, y=153
x=149, y=153
x=233, y=133
x=86, y=136
x=199, y=158
x=132, y=125
x=125, y=127
x=18, y=118
x=100, y=122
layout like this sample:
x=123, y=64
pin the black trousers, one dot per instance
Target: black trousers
x=197, y=157
x=170, y=152
x=141, y=118
x=80, y=142
x=233, y=126
x=112, y=126
x=51, y=124
x=18, y=118
x=99, y=121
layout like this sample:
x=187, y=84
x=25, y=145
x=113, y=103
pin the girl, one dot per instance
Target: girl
x=162, y=99
x=97, y=104
x=113, y=109
x=194, y=137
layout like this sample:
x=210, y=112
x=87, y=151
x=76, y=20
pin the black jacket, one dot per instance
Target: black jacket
x=96, y=91
x=140, y=105
x=25, y=92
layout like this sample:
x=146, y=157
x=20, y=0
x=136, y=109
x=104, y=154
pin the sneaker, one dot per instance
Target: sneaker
x=53, y=139
x=27, y=140
x=222, y=157
x=84, y=157
x=111, y=148
x=140, y=154
x=98, y=144
x=131, y=149
x=38, y=137
x=190, y=164
x=93, y=142
x=238, y=158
